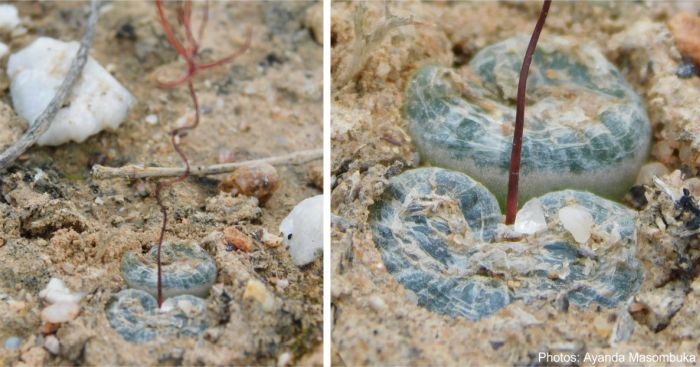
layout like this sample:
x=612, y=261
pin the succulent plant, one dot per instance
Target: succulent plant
x=187, y=269
x=438, y=233
x=585, y=128
x=135, y=315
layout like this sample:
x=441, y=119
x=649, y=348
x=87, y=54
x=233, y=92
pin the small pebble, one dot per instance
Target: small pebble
x=530, y=218
x=282, y=284
x=68, y=268
x=237, y=239
x=51, y=344
x=377, y=303
x=271, y=240
x=127, y=32
x=302, y=231
x=39, y=176
x=13, y=342
x=257, y=291
x=98, y=101
x=56, y=291
x=60, y=312
x=260, y=181
x=686, y=31
x=496, y=344
x=48, y=328
x=9, y=17
x=578, y=221
x=99, y=201
x=140, y=188
x=637, y=197
x=686, y=70
x=284, y=359
x=152, y=119
x=383, y=70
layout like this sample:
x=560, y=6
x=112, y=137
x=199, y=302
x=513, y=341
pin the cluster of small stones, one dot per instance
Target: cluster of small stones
x=188, y=273
x=439, y=231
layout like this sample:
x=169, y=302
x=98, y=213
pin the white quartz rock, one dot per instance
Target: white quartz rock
x=63, y=302
x=578, y=221
x=52, y=344
x=9, y=18
x=98, y=100
x=56, y=292
x=530, y=218
x=302, y=230
x=60, y=312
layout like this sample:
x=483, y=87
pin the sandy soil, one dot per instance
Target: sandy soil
x=58, y=222
x=375, y=320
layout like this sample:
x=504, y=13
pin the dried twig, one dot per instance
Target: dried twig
x=134, y=172
x=43, y=122
x=514, y=177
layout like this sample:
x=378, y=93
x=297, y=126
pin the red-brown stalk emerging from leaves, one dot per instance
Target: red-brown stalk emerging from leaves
x=512, y=201
x=188, y=51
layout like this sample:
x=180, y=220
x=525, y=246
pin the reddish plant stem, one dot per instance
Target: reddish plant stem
x=514, y=177
x=189, y=52
x=174, y=138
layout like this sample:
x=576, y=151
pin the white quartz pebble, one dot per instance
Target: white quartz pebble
x=578, y=221
x=52, y=344
x=63, y=302
x=60, y=312
x=9, y=17
x=152, y=119
x=56, y=291
x=302, y=230
x=98, y=101
x=530, y=218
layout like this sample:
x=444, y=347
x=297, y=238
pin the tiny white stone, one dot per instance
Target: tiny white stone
x=152, y=119
x=99, y=201
x=282, y=284
x=39, y=176
x=377, y=303
x=52, y=344
x=9, y=17
x=383, y=70
x=270, y=239
x=56, y=291
x=530, y=218
x=97, y=102
x=302, y=230
x=60, y=312
x=578, y=221
x=284, y=359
